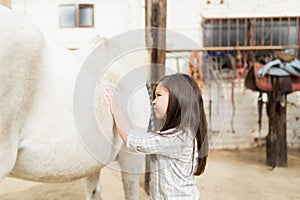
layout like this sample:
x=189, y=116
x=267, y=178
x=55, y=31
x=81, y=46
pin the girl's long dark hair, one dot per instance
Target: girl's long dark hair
x=186, y=110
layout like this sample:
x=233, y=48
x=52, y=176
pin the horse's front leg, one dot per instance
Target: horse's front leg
x=132, y=166
x=92, y=187
x=8, y=149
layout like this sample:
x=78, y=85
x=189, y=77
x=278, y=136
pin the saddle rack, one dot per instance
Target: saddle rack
x=277, y=78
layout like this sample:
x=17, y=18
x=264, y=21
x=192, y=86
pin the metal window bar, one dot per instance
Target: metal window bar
x=289, y=26
x=237, y=42
x=228, y=32
x=280, y=31
x=262, y=31
x=254, y=32
x=212, y=29
x=245, y=33
x=271, y=31
x=297, y=31
x=220, y=32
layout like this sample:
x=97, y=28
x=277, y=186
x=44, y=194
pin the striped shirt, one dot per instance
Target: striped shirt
x=171, y=170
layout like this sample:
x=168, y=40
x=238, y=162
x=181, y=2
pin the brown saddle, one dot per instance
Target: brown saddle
x=287, y=84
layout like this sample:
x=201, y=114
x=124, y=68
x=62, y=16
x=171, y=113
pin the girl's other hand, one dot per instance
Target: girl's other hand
x=109, y=92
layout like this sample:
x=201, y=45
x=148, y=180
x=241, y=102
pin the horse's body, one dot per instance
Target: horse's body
x=38, y=136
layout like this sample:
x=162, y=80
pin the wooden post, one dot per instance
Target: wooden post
x=155, y=18
x=276, y=148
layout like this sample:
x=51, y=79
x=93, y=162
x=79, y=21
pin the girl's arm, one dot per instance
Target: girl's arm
x=123, y=134
x=122, y=127
x=139, y=140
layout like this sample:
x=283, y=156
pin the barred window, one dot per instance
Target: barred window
x=232, y=32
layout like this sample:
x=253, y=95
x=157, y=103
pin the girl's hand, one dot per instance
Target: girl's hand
x=113, y=99
x=121, y=123
x=109, y=98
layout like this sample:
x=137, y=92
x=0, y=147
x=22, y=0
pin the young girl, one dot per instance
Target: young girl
x=179, y=149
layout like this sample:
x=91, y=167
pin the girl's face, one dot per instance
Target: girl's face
x=160, y=103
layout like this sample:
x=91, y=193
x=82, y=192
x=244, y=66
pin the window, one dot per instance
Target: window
x=243, y=32
x=81, y=15
x=67, y=16
x=220, y=2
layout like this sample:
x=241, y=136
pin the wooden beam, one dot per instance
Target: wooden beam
x=156, y=13
x=242, y=48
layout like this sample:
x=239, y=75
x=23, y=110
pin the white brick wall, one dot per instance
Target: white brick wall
x=253, y=8
x=185, y=19
x=111, y=17
x=246, y=117
x=293, y=120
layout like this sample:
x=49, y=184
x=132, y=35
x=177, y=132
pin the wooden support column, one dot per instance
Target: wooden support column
x=156, y=14
x=276, y=148
x=156, y=18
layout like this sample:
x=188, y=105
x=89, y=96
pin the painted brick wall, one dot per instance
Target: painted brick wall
x=110, y=18
x=245, y=120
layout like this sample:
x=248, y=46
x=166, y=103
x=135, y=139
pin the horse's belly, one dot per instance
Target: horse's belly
x=53, y=155
x=51, y=149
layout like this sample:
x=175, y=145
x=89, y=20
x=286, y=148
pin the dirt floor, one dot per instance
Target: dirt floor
x=232, y=174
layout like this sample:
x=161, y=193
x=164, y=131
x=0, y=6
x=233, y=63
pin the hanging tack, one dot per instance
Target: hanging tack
x=149, y=87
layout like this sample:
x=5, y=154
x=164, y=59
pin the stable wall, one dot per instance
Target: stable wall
x=245, y=132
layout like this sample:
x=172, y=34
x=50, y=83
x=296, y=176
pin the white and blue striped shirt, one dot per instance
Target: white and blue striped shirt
x=171, y=170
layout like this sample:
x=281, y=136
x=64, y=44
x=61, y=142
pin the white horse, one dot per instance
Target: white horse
x=38, y=136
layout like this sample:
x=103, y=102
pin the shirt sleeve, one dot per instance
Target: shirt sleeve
x=144, y=142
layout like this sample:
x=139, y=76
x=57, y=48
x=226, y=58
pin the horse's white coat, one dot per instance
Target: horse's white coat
x=38, y=136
